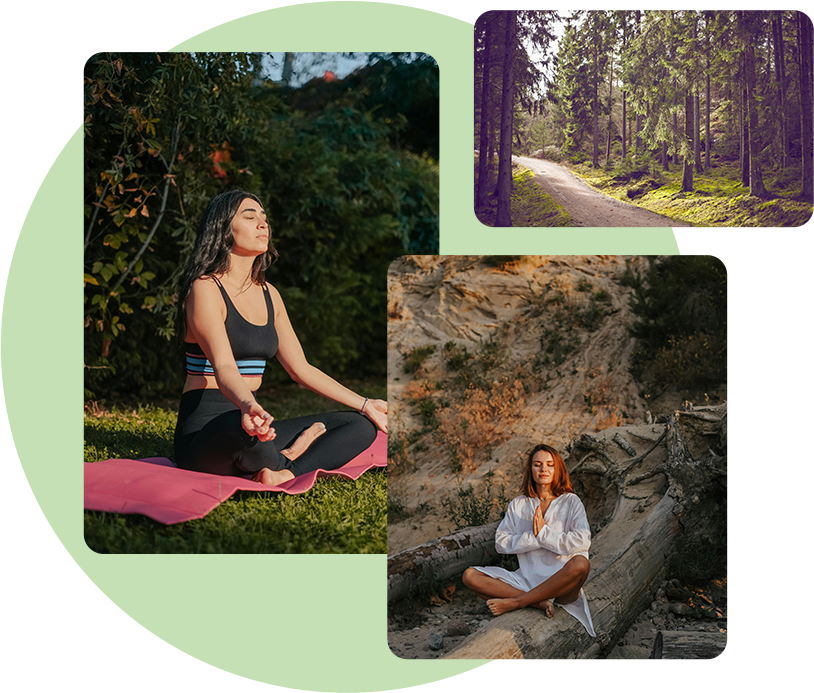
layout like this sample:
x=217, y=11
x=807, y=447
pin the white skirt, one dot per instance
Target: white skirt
x=578, y=608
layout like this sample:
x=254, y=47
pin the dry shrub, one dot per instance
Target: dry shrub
x=481, y=418
x=418, y=390
x=691, y=362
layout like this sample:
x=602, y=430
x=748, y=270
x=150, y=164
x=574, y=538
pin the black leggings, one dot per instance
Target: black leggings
x=209, y=437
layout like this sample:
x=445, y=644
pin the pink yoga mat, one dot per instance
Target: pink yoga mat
x=155, y=487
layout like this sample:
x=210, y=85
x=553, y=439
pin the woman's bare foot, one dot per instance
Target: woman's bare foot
x=501, y=606
x=547, y=606
x=269, y=478
x=304, y=441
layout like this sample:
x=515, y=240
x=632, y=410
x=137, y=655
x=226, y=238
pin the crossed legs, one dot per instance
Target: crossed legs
x=501, y=597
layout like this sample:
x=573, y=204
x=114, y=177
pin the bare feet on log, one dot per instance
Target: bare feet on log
x=304, y=441
x=502, y=606
x=547, y=606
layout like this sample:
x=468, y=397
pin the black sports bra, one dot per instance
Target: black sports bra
x=251, y=344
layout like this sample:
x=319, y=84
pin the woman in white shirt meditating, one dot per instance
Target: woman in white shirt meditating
x=547, y=528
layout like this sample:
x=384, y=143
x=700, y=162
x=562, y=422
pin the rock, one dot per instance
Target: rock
x=436, y=641
x=681, y=609
x=458, y=627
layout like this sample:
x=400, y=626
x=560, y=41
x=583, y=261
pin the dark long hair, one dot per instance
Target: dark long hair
x=561, y=483
x=210, y=254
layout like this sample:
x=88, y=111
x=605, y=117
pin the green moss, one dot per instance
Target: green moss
x=531, y=206
x=718, y=198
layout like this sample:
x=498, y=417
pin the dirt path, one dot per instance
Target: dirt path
x=586, y=206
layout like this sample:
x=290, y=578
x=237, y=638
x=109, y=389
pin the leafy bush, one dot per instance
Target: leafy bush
x=348, y=185
x=457, y=356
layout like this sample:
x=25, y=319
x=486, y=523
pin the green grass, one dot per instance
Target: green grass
x=718, y=197
x=531, y=206
x=336, y=516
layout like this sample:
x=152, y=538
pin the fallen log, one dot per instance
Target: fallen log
x=687, y=645
x=439, y=559
x=643, y=510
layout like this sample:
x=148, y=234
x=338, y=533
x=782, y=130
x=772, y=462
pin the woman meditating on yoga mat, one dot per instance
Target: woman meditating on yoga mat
x=231, y=322
x=547, y=528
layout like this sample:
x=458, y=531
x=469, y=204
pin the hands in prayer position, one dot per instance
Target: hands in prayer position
x=539, y=519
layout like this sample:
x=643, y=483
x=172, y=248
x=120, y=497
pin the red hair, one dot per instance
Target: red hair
x=561, y=483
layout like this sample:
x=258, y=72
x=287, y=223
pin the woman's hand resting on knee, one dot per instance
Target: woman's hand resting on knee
x=376, y=411
x=257, y=422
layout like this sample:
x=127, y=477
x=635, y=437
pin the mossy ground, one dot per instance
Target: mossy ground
x=336, y=516
x=718, y=197
x=530, y=205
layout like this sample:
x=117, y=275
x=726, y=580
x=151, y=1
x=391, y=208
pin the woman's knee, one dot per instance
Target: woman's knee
x=580, y=565
x=470, y=576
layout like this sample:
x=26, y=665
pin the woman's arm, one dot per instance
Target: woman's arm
x=206, y=313
x=292, y=358
x=509, y=538
x=576, y=539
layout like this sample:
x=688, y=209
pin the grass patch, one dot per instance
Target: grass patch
x=336, y=516
x=470, y=508
x=417, y=356
x=718, y=197
x=530, y=205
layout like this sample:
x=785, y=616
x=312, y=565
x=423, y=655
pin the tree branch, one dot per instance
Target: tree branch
x=167, y=181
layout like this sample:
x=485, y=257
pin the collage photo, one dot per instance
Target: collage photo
x=406, y=350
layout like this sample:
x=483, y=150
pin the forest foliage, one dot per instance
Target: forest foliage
x=634, y=91
x=680, y=305
x=347, y=169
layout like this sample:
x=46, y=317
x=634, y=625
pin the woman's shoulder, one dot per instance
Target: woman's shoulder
x=520, y=501
x=275, y=294
x=205, y=294
x=204, y=286
x=572, y=499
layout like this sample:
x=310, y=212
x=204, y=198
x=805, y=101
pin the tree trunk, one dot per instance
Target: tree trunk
x=624, y=96
x=638, y=115
x=595, y=159
x=744, y=135
x=689, y=129
x=288, y=68
x=688, y=645
x=696, y=107
x=780, y=78
x=438, y=560
x=756, y=186
x=667, y=500
x=696, y=134
x=708, y=137
x=806, y=106
x=504, y=178
x=610, y=110
x=483, y=146
x=676, y=152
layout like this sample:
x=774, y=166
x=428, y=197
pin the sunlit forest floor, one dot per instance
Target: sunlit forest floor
x=336, y=516
x=718, y=198
x=530, y=204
